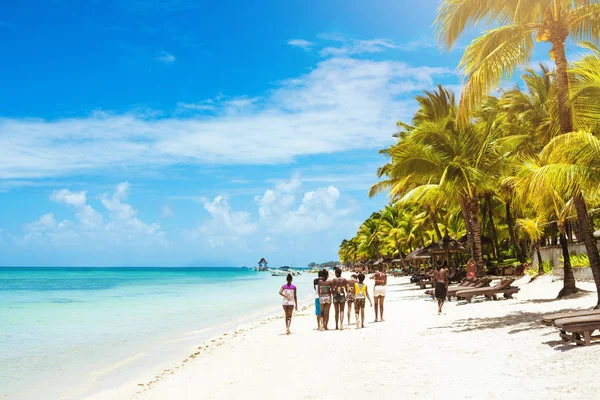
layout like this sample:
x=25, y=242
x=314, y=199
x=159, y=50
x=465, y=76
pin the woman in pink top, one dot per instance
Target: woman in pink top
x=288, y=291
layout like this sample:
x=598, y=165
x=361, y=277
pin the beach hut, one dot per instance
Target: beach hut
x=263, y=265
x=444, y=247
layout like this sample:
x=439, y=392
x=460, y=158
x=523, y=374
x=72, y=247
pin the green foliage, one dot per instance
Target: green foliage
x=547, y=267
x=577, y=261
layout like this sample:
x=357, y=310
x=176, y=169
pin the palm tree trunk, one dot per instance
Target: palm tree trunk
x=465, y=215
x=569, y=279
x=562, y=84
x=473, y=211
x=540, y=262
x=590, y=242
x=488, y=200
x=433, y=219
x=400, y=256
x=513, y=233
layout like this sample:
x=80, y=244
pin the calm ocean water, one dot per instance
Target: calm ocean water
x=69, y=332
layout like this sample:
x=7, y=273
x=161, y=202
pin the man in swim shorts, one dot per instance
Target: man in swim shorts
x=379, y=292
x=318, y=300
x=441, y=285
x=338, y=285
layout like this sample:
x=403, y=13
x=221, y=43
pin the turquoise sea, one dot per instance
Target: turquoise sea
x=66, y=333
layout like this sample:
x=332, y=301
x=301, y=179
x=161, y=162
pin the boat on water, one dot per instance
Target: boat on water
x=283, y=271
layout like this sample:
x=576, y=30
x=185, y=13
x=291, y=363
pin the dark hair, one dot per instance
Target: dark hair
x=361, y=277
x=353, y=276
x=380, y=268
x=289, y=278
x=325, y=273
x=338, y=272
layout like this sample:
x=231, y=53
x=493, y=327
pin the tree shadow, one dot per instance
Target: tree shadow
x=580, y=293
x=413, y=297
x=520, y=321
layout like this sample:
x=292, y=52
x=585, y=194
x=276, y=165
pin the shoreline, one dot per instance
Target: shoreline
x=156, y=372
x=486, y=349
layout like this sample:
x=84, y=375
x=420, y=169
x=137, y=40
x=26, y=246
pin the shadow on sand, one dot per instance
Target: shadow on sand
x=520, y=322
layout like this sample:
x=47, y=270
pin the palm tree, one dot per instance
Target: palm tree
x=530, y=115
x=461, y=162
x=571, y=165
x=496, y=54
x=369, y=237
x=534, y=228
x=585, y=76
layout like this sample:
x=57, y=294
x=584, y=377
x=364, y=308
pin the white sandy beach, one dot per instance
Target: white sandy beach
x=484, y=350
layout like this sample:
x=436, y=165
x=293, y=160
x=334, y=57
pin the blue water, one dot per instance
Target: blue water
x=69, y=332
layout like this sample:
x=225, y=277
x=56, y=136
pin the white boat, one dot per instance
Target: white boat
x=284, y=271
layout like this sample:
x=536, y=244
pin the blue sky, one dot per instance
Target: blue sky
x=183, y=132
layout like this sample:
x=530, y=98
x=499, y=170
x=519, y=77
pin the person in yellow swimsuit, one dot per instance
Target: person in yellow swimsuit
x=360, y=292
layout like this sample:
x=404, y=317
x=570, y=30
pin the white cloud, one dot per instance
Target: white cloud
x=205, y=106
x=86, y=215
x=303, y=44
x=353, y=46
x=123, y=229
x=343, y=104
x=284, y=212
x=65, y=196
x=418, y=44
x=224, y=227
x=165, y=58
x=166, y=211
x=317, y=211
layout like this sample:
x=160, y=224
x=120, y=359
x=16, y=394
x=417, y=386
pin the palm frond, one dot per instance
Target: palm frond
x=490, y=59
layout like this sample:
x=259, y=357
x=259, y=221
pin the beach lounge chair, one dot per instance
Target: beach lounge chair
x=490, y=293
x=475, y=284
x=572, y=328
x=549, y=319
x=423, y=284
x=466, y=283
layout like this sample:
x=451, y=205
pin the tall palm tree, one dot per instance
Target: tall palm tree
x=496, y=54
x=571, y=165
x=461, y=162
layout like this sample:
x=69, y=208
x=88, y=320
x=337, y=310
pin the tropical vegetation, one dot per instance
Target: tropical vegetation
x=520, y=168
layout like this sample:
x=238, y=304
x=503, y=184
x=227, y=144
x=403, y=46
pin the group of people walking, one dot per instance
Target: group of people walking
x=340, y=292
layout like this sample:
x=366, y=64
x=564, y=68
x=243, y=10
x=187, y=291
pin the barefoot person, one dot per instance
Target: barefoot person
x=288, y=291
x=318, y=300
x=325, y=298
x=338, y=284
x=361, y=292
x=350, y=293
x=379, y=292
x=441, y=285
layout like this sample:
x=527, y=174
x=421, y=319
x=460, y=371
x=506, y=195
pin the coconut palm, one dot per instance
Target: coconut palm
x=571, y=165
x=496, y=54
x=585, y=77
x=369, y=237
x=460, y=161
x=529, y=115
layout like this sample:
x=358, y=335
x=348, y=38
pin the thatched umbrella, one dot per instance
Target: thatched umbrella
x=446, y=246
